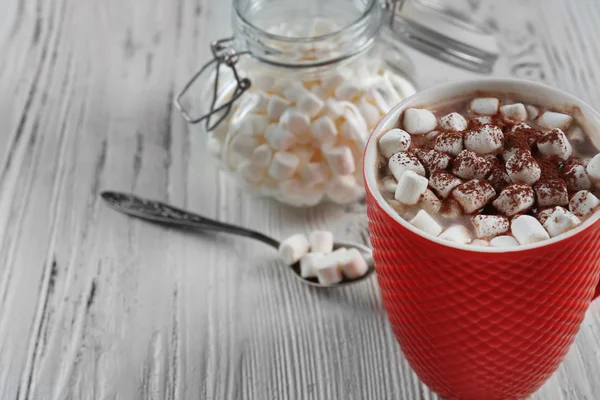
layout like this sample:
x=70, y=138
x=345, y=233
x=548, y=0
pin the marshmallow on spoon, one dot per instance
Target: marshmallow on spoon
x=559, y=220
x=340, y=160
x=284, y=165
x=443, y=182
x=457, y=234
x=453, y=122
x=490, y=225
x=401, y=162
x=410, y=188
x=293, y=248
x=551, y=193
x=394, y=141
x=449, y=142
x=426, y=223
x=328, y=267
x=555, y=142
x=583, y=203
x=484, y=106
x=515, y=112
x=504, y=241
x=307, y=265
x=321, y=241
x=551, y=120
x=484, y=140
x=522, y=167
x=526, y=229
x=354, y=265
x=474, y=194
x=418, y=121
x=515, y=198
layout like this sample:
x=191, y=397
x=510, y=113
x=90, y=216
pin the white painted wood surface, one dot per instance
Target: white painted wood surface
x=97, y=306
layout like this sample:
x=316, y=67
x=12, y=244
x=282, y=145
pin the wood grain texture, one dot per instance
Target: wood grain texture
x=97, y=306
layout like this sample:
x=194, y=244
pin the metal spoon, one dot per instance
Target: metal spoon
x=168, y=215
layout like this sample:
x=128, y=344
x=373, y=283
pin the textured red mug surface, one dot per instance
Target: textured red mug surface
x=483, y=323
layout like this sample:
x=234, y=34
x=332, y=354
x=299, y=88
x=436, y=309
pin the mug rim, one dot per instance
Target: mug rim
x=371, y=154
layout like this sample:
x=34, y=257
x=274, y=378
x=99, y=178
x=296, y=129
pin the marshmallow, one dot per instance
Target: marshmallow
x=449, y=142
x=426, y=223
x=453, y=122
x=443, y=182
x=554, y=142
x=323, y=26
x=294, y=91
x=380, y=102
x=297, y=122
x=314, y=173
x=576, y=178
x=293, y=248
x=433, y=160
x=503, y=241
x=480, y=242
x=325, y=131
x=352, y=129
x=532, y=112
x=515, y=198
x=310, y=104
x=319, y=91
x=490, y=225
x=401, y=162
x=370, y=113
x=474, y=194
x=484, y=106
x=262, y=155
x=457, y=234
x=576, y=136
x=551, y=193
x=551, y=120
x=559, y=220
x=307, y=265
x=593, y=168
x=484, y=140
x=328, y=267
x=297, y=193
x=244, y=145
x=214, y=145
x=583, y=203
x=332, y=109
x=418, y=121
x=276, y=107
x=263, y=82
x=340, y=160
x=527, y=230
x=468, y=165
x=499, y=179
x=284, y=165
x=522, y=167
x=279, y=137
x=515, y=112
x=451, y=209
x=481, y=120
x=250, y=172
x=321, y=241
x=333, y=81
x=253, y=125
x=344, y=189
x=347, y=91
x=431, y=136
x=390, y=184
x=304, y=153
x=354, y=264
x=394, y=141
x=520, y=126
x=410, y=188
x=429, y=202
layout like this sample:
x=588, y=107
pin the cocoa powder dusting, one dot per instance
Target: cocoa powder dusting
x=550, y=166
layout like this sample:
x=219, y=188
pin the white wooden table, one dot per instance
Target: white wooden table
x=94, y=305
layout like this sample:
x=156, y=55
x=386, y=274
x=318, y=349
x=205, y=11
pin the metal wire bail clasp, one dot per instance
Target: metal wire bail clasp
x=223, y=53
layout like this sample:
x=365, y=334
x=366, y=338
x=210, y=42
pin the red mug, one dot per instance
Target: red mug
x=478, y=322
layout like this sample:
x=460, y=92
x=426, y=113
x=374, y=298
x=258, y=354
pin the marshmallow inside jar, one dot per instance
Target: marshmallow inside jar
x=503, y=174
x=317, y=87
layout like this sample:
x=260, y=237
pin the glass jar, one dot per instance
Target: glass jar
x=294, y=94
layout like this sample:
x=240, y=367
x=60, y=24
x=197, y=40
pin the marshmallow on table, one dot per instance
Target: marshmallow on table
x=429, y=202
x=522, y=167
x=558, y=221
x=279, y=137
x=453, y=122
x=410, y=188
x=532, y=111
x=393, y=141
x=504, y=241
x=293, y=248
x=418, y=121
x=576, y=136
x=515, y=198
x=551, y=120
x=527, y=230
x=484, y=140
x=469, y=165
x=310, y=104
x=389, y=184
x=262, y=155
x=340, y=160
x=321, y=241
x=314, y=173
x=284, y=165
x=353, y=264
x=576, y=178
x=276, y=107
x=593, y=168
x=307, y=264
x=449, y=142
x=551, y=193
x=402, y=161
x=443, y=182
x=344, y=189
x=426, y=223
x=474, y=194
x=583, y=203
x=433, y=160
x=457, y=234
x=515, y=112
x=484, y=106
x=490, y=225
x=324, y=131
x=555, y=142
